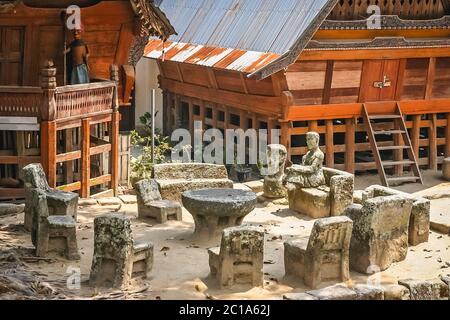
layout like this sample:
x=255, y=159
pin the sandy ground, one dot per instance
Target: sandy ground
x=181, y=269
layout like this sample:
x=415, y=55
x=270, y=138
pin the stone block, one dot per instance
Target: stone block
x=336, y=292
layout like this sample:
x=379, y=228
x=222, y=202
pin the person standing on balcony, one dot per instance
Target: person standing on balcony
x=79, y=59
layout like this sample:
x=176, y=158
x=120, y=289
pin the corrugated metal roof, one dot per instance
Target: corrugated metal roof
x=222, y=58
x=250, y=25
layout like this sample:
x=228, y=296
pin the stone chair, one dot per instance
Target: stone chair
x=240, y=257
x=324, y=255
x=328, y=200
x=151, y=205
x=175, y=178
x=380, y=232
x=446, y=169
x=52, y=233
x=60, y=203
x=117, y=257
x=419, y=223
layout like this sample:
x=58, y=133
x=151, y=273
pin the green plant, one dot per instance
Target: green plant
x=142, y=166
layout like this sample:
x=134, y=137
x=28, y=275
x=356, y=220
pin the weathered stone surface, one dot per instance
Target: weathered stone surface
x=128, y=199
x=9, y=208
x=309, y=201
x=274, y=172
x=109, y=201
x=380, y=232
x=116, y=254
x=358, y=196
x=217, y=209
x=330, y=199
x=241, y=186
x=175, y=178
x=240, y=257
x=336, y=292
x=58, y=202
x=396, y=292
x=87, y=202
x=255, y=186
x=322, y=256
x=151, y=205
x=368, y=292
x=48, y=231
x=446, y=168
x=281, y=202
x=299, y=296
x=309, y=174
x=434, y=289
x=419, y=224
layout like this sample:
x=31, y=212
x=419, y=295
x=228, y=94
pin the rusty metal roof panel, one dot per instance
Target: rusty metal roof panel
x=251, y=25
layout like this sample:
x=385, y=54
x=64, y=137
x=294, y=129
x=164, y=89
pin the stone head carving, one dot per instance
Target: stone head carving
x=276, y=160
x=312, y=140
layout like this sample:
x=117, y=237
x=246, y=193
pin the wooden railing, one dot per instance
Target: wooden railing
x=20, y=101
x=81, y=100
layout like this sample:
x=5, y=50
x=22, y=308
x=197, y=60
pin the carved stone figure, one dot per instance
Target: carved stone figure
x=309, y=174
x=273, y=181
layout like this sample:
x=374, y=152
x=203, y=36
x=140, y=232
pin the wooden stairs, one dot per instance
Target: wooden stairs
x=401, y=145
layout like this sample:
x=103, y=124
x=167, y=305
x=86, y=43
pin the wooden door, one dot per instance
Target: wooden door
x=11, y=56
x=379, y=80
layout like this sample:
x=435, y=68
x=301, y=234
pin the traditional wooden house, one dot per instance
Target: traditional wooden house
x=372, y=77
x=72, y=130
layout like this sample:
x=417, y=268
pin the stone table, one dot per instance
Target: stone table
x=217, y=209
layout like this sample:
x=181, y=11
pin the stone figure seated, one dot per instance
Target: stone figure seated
x=274, y=171
x=317, y=191
x=310, y=173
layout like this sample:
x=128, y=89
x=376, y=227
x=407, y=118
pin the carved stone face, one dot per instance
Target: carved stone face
x=277, y=155
x=312, y=140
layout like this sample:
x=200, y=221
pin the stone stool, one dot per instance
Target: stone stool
x=117, y=257
x=151, y=204
x=240, y=257
x=52, y=233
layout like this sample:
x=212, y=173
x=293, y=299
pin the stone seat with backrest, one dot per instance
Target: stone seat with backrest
x=175, y=178
x=240, y=257
x=59, y=202
x=419, y=223
x=380, y=232
x=324, y=255
x=52, y=233
x=117, y=257
x=328, y=200
x=151, y=205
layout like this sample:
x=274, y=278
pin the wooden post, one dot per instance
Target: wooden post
x=432, y=154
x=285, y=137
x=430, y=78
x=447, y=137
x=48, y=124
x=415, y=136
x=313, y=125
x=115, y=123
x=350, y=145
x=191, y=119
x=68, y=171
x=85, y=157
x=329, y=143
x=48, y=150
x=115, y=152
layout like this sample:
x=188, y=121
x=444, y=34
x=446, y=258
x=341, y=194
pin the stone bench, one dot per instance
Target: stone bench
x=446, y=169
x=175, y=178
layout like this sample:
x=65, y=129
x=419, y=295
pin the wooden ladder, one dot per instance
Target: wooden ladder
x=398, y=148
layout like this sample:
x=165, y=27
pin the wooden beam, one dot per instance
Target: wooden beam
x=256, y=103
x=430, y=78
x=115, y=152
x=415, y=134
x=432, y=134
x=85, y=158
x=447, y=137
x=350, y=145
x=48, y=150
x=328, y=81
x=329, y=143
